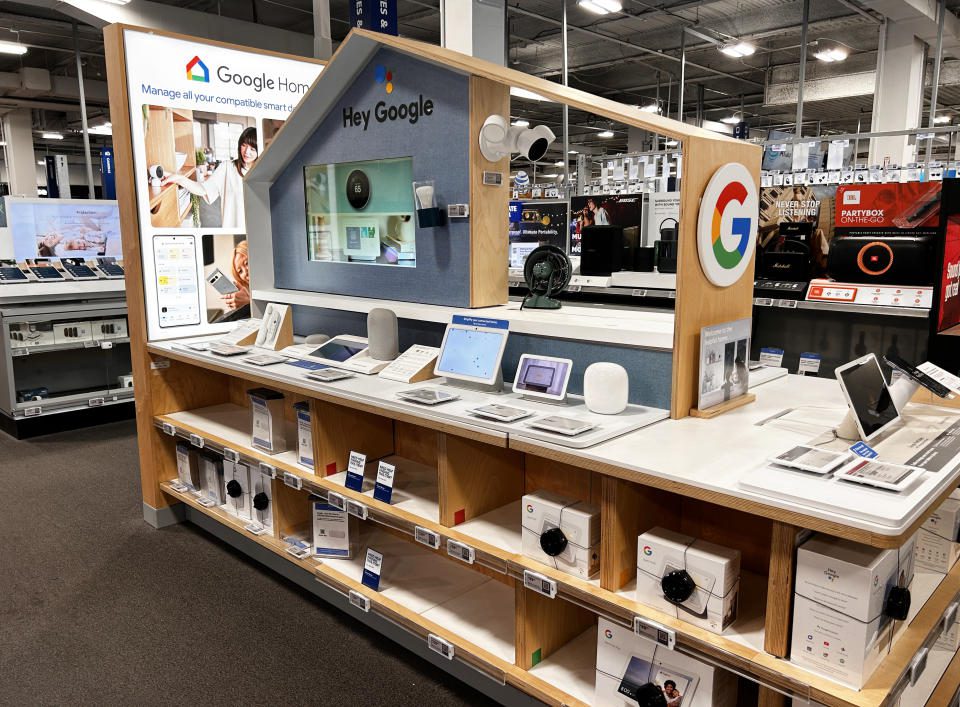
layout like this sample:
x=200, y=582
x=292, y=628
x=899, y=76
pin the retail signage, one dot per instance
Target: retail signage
x=377, y=15
x=864, y=209
x=727, y=224
x=107, y=177
x=947, y=305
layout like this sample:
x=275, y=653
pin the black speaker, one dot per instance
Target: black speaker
x=601, y=250
x=644, y=260
x=790, y=262
x=665, y=255
x=631, y=241
x=893, y=260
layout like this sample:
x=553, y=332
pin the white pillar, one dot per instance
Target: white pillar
x=476, y=28
x=898, y=99
x=21, y=161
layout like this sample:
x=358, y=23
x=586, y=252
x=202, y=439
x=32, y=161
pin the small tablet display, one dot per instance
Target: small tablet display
x=502, y=413
x=337, y=350
x=868, y=396
x=471, y=353
x=543, y=376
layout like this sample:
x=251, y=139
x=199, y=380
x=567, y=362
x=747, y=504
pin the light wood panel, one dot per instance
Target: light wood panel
x=339, y=430
x=945, y=691
x=771, y=698
x=291, y=511
x=418, y=444
x=545, y=625
x=728, y=527
x=475, y=478
x=564, y=479
x=716, y=410
x=779, y=616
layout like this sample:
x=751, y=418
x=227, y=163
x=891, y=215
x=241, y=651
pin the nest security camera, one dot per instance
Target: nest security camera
x=499, y=139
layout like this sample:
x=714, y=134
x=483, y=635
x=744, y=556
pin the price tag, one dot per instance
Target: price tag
x=90, y=344
x=462, y=552
x=540, y=584
x=292, y=480
x=787, y=303
x=383, y=489
x=159, y=363
x=426, y=537
x=358, y=600
x=169, y=429
x=106, y=344
x=336, y=500
x=32, y=412
x=355, y=468
x=231, y=455
x=440, y=645
x=372, y=566
x=770, y=356
x=950, y=616
x=918, y=665
x=672, y=294
x=301, y=553
x=655, y=632
x=268, y=469
x=197, y=441
x=809, y=364
x=573, y=288
x=255, y=529
x=763, y=302
x=95, y=402
x=206, y=502
x=862, y=449
x=356, y=509
x=19, y=352
x=178, y=487
x=638, y=293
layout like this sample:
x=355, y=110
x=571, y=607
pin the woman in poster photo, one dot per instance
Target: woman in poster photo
x=226, y=182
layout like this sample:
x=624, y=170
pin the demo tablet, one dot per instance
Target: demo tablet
x=471, y=353
x=543, y=376
x=868, y=396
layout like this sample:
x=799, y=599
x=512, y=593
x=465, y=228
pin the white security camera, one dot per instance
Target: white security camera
x=499, y=139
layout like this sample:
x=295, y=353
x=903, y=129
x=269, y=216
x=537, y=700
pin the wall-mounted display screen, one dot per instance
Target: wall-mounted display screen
x=361, y=212
x=603, y=210
x=63, y=228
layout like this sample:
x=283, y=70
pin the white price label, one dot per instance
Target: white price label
x=672, y=294
x=300, y=553
x=255, y=529
x=292, y=480
x=95, y=402
x=231, y=455
x=770, y=356
x=573, y=289
x=268, y=469
x=950, y=615
x=440, y=645
x=358, y=600
x=426, y=537
x=197, y=441
x=33, y=412
x=19, y=352
x=540, y=584
x=809, y=364
x=206, y=502
x=638, y=293
x=169, y=429
x=918, y=665
x=336, y=500
x=787, y=303
x=160, y=363
x=357, y=509
x=106, y=344
x=178, y=487
x=655, y=632
x=461, y=551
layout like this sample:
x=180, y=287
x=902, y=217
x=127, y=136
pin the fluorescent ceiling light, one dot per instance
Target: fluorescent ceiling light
x=12, y=48
x=551, y=176
x=671, y=143
x=521, y=123
x=572, y=152
x=942, y=119
x=605, y=134
x=831, y=55
x=524, y=93
x=52, y=136
x=731, y=120
x=105, y=129
x=559, y=163
x=738, y=49
x=600, y=7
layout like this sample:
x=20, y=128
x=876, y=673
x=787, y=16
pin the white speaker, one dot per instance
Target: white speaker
x=606, y=388
x=316, y=339
x=382, y=336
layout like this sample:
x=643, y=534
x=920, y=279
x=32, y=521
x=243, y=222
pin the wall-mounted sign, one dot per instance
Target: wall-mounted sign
x=727, y=224
x=376, y=15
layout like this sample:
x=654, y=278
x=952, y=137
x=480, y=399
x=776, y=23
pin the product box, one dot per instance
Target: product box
x=839, y=628
x=937, y=548
x=236, y=482
x=269, y=427
x=211, y=474
x=106, y=329
x=71, y=332
x=714, y=569
x=335, y=532
x=949, y=639
x=304, y=434
x=261, y=497
x=626, y=662
x=30, y=334
x=188, y=467
x=562, y=533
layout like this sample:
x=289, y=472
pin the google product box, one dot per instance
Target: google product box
x=710, y=601
x=188, y=467
x=261, y=497
x=211, y=474
x=561, y=532
x=334, y=531
x=236, y=483
x=304, y=434
x=268, y=426
x=937, y=548
x=628, y=663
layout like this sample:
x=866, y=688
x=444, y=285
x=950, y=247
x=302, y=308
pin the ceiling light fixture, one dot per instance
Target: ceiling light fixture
x=738, y=49
x=731, y=119
x=830, y=52
x=12, y=48
x=600, y=7
x=652, y=108
x=572, y=152
x=52, y=136
x=605, y=134
x=941, y=119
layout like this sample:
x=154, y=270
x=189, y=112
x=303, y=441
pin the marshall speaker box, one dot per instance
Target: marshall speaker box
x=601, y=250
x=883, y=261
x=790, y=262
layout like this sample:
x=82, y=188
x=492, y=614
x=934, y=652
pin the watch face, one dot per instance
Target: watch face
x=358, y=189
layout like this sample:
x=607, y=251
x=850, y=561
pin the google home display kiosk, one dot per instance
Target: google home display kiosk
x=873, y=410
x=472, y=352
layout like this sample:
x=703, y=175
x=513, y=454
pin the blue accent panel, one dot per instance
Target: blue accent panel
x=439, y=144
x=649, y=371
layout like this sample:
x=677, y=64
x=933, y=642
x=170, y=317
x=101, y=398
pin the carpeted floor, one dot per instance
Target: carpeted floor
x=96, y=607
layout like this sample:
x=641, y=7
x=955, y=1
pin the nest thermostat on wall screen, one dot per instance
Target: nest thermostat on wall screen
x=358, y=189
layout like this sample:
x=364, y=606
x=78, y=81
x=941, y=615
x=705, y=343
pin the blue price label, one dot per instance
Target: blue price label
x=484, y=322
x=862, y=449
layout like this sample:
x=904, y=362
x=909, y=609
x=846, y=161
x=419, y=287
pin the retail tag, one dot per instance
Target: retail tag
x=106, y=344
x=206, y=502
x=301, y=553
x=268, y=469
x=787, y=303
x=178, y=487
x=574, y=289
x=231, y=455
x=255, y=529
x=19, y=352
x=355, y=468
x=372, y=566
x=770, y=356
x=655, y=632
x=461, y=551
x=672, y=294
x=440, y=645
x=809, y=364
x=95, y=402
x=358, y=600
x=336, y=500
x=383, y=490
x=638, y=293
x=918, y=664
x=159, y=363
x=197, y=441
x=492, y=179
x=356, y=509
x=32, y=412
x=426, y=537
x=862, y=449
x=169, y=429
x=540, y=584
x=763, y=301
x=950, y=616
x=292, y=480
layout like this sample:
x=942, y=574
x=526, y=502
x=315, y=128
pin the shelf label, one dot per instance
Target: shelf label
x=787, y=303
x=19, y=352
x=918, y=665
x=255, y=529
x=169, y=429
x=638, y=293
x=356, y=509
x=159, y=363
x=540, y=584
x=197, y=441
x=206, y=502
x=426, y=537
x=292, y=480
x=32, y=412
x=770, y=356
x=672, y=294
x=461, y=551
x=178, y=487
x=336, y=500
x=440, y=645
x=950, y=615
x=574, y=289
x=763, y=301
x=231, y=455
x=301, y=553
x=383, y=489
x=355, y=468
x=358, y=600
x=809, y=364
x=372, y=566
x=95, y=402
x=655, y=632
x=106, y=344
x=268, y=469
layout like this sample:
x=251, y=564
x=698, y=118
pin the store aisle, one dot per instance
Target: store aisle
x=97, y=607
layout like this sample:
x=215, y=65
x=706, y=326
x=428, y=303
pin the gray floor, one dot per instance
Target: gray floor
x=96, y=607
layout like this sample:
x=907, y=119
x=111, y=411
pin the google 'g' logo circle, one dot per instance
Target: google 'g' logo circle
x=727, y=225
x=529, y=508
x=647, y=550
x=608, y=633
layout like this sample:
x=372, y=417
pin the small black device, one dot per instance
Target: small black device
x=110, y=268
x=668, y=229
x=547, y=272
x=918, y=376
x=358, y=189
x=893, y=260
x=644, y=260
x=78, y=268
x=46, y=272
x=11, y=272
x=665, y=256
x=601, y=250
x=789, y=261
x=799, y=230
x=631, y=242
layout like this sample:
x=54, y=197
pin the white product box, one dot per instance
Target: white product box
x=268, y=426
x=188, y=467
x=304, y=435
x=106, y=329
x=236, y=483
x=334, y=531
x=578, y=522
x=211, y=472
x=935, y=553
x=71, y=332
x=261, y=491
x=30, y=334
x=626, y=661
x=949, y=639
x=714, y=569
x=839, y=629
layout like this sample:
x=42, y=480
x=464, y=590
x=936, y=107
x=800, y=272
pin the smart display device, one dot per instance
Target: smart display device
x=868, y=396
x=344, y=351
x=543, y=377
x=471, y=353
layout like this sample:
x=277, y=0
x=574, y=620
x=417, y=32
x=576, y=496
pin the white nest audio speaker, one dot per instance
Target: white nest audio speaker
x=606, y=388
x=382, y=335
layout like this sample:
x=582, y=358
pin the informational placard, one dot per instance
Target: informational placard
x=200, y=116
x=909, y=209
x=724, y=355
x=372, y=567
x=947, y=304
x=383, y=489
x=355, y=469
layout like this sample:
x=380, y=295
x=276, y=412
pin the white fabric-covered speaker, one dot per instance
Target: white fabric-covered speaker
x=606, y=388
x=382, y=335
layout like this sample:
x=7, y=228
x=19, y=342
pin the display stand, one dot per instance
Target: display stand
x=713, y=411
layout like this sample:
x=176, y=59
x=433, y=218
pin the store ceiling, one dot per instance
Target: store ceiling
x=623, y=56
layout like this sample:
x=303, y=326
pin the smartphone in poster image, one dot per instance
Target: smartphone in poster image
x=724, y=355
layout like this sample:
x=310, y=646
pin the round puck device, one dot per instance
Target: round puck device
x=358, y=189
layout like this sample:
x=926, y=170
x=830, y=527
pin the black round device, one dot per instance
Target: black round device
x=234, y=489
x=553, y=541
x=677, y=586
x=897, y=604
x=261, y=501
x=358, y=189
